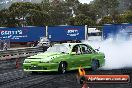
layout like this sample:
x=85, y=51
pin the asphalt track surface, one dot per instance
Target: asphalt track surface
x=10, y=77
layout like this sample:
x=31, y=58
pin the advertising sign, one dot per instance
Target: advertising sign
x=22, y=34
x=64, y=33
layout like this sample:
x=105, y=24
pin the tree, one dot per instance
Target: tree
x=71, y=21
x=3, y=17
x=88, y=10
x=130, y=5
x=128, y=17
x=106, y=7
x=38, y=18
x=106, y=20
x=120, y=19
x=20, y=10
x=45, y=5
x=81, y=19
x=72, y=5
x=124, y=5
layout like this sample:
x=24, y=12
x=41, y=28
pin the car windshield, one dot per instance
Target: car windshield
x=58, y=49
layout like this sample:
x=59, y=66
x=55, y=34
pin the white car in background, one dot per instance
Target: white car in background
x=44, y=42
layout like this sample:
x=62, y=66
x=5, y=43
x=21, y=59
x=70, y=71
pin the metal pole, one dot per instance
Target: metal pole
x=47, y=32
x=86, y=30
x=102, y=35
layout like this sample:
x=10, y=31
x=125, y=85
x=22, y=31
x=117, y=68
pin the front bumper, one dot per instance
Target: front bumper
x=40, y=67
x=40, y=70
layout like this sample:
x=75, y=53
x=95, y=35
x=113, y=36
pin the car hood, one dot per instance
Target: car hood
x=43, y=57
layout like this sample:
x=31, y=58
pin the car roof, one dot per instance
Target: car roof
x=68, y=43
x=72, y=44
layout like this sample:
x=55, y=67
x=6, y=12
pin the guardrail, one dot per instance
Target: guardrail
x=18, y=53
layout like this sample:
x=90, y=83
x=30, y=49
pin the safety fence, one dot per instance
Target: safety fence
x=19, y=53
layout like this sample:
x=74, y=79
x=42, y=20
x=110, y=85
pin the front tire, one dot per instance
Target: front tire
x=95, y=64
x=62, y=68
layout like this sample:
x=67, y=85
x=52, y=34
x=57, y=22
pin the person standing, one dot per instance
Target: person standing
x=5, y=46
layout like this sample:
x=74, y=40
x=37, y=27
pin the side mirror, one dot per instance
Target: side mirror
x=73, y=53
x=97, y=49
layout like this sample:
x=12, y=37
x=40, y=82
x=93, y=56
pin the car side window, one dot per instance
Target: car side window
x=76, y=49
x=86, y=49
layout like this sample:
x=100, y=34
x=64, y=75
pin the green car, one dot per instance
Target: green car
x=65, y=57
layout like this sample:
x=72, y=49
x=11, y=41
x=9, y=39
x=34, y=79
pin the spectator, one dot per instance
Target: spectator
x=5, y=46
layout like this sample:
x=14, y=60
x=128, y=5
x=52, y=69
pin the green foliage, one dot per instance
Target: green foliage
x=106, y=20
x=120, y=19
x=20, y=9
x=81, y=19
x=64, y=12
x=105, y=7
x=129, y=17
x=59, y=14
x=87, y=10
x=38, y=18
x=3, y=17
x=123, y=18
x=33, y=13
x=71, y=21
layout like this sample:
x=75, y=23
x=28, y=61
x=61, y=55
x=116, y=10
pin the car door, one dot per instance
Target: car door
x=75, y=58
x=86, y=55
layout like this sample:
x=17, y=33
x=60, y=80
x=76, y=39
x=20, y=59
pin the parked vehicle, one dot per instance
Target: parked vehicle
x=43, y=42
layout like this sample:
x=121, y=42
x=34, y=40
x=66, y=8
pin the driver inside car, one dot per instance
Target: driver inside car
x=77, y=50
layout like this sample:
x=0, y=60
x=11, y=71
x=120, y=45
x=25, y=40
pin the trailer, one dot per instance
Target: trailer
x=117, y=31
x=22, y=35
x=32, y=34
x=66, y=33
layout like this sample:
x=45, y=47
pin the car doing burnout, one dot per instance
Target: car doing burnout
x=64, y=57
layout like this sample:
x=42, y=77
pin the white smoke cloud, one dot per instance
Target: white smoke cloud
x=118, y=54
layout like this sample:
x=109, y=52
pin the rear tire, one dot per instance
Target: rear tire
x=95, y=64
x=62, y=68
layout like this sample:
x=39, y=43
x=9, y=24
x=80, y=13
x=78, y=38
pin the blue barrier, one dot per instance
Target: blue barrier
x=22, y=34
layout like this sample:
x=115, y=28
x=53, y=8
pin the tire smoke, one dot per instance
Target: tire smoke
x=118, y=54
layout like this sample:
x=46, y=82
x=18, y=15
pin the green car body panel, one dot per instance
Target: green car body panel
x=49, y=61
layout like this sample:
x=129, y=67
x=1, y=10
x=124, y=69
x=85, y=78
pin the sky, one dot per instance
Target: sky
x=85, y=1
